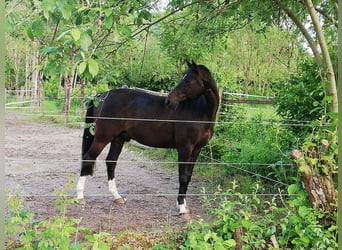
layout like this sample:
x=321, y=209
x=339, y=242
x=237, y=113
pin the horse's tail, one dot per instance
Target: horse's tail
x=88, y=136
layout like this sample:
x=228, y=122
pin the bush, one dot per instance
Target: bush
x=61, y=232
x=294, y=225
x=51, y=234
x=253, y=145
x=302, y=98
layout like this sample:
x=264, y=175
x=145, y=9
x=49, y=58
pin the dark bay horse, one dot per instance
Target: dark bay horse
x=155, y=121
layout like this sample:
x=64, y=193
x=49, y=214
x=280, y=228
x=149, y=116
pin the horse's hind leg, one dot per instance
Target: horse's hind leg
x=88, y=163
x=111, y=161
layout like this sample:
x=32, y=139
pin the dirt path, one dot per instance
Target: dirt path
x=41, y=158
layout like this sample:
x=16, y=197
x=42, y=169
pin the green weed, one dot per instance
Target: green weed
x=291, y=222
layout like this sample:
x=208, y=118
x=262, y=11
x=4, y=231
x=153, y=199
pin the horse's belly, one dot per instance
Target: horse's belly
x=156, y=143
x=153, y=137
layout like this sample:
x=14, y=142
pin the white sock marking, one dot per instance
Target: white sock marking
x=113, y=190
x=182, y=208
x=80, y=187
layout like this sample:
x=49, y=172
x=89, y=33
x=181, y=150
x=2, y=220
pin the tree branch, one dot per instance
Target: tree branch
x=327, y=16
x=304, y=31
x=330, y=75
x=149, y=25
x=55, y=31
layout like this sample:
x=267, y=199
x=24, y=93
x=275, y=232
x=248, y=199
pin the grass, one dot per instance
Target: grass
x=52, y=112
x=253, y=110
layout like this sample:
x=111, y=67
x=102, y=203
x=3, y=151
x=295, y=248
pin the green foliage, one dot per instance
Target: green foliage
x=51, y=88
x=256, y=145
x=100, y=241
x=18, y=221
x=295, y=225
x=62, y=232
x=48, y=234
x=302, y=99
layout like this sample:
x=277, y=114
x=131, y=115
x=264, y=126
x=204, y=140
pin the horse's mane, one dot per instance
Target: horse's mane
x=209, y=78
x=157, y=93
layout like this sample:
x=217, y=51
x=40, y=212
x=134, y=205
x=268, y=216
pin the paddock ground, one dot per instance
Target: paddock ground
x=44, y=157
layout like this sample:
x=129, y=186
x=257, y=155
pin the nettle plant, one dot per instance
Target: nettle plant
x=58, y=232
x=257, y=221
x=24, y=233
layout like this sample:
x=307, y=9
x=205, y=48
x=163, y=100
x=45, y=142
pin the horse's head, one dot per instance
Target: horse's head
x=191, y=86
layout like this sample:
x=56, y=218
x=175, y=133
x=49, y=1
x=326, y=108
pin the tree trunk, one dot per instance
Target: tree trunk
x=35, y=80
x=67, y=96
x=69, y=81
x=40, y=91
x=27, y=72
x=315, y=170
x=16, y=65
x=328, y=67
x=83, y=84
x=323, y=59
x=238, y=238
x=304, y=31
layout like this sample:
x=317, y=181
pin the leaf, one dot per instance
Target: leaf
x=108, y=22
x=76, y=34
x=125, y=30
x=93, y=67
x=66, y=12
x=292, y=189
x=29, y=33
x=333, y=228
x=48, y=6
x=37, y=28
x=327, y=99
x=85, y=41
x=78, y=20
x=62, y=34
x=231, y=243
x=145, y=15
x=333, y=115
x=82, y=67
x=49, y=50
x=303, y=211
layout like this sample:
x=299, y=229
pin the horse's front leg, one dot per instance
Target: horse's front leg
x=111, y=161
x=185, y=172
x=187, y=161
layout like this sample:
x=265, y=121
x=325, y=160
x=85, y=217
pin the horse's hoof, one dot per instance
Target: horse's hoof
x=185, y=216
x=81, y=201
x=120, y=201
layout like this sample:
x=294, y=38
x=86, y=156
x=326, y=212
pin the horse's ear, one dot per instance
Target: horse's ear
x=191, y=64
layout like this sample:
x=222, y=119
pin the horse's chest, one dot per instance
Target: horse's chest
x=204, y=136
x=207, y=135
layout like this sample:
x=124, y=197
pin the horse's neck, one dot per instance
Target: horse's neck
x=212, y=98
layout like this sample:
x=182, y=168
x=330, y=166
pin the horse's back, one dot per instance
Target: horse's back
x=138, y=115
x=131, y=103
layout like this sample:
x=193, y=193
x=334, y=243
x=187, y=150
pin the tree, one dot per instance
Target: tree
x=74, y=34
x=320, y=31
x=328, y=10
x=69, y=44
